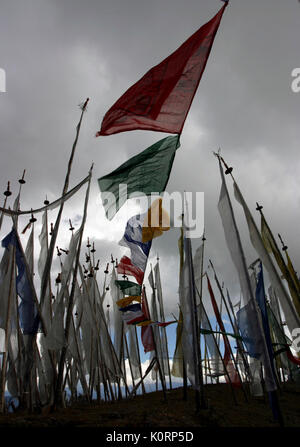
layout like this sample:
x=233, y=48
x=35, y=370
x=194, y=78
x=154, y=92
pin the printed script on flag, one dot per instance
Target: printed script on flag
x=161, y=99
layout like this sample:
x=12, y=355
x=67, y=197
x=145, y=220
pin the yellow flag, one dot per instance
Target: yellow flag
x=271, y=246
x=144, y=323
x=123, y=302
x=292, y=272
x=156, y=221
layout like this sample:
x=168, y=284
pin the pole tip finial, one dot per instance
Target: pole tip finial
x=7, y=193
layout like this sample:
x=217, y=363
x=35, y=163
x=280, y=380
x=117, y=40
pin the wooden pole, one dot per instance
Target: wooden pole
x=139, y=359
x=47, y=268
x=232, y=355
x=199, y=386
x=58, y=396
x=162, y=316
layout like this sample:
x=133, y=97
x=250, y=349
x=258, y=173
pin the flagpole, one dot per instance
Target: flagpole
x=114, y=356
x=112, y=351
x=30, y=346
x=162, y=312
x=261, y=249
x=285, y=271
x=7, y=193
x=156, y=334
x=227, y=310
x=58, y=396
x=129, y=360
x=161, y=376
x=218, y=349
x=139, y=359
x=47, y=268
x=181, y=262
x=289, y=309
x=290, y=266
x=199, y=391
x=82, y=376
x=239, y=346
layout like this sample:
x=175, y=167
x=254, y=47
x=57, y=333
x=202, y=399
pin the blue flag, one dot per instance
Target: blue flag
x=261, y=301
x=29, y=318
x=134, y=234
x=132, y=307
x=245, y=318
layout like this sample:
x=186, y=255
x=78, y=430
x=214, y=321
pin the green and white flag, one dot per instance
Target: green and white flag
x=145, y=173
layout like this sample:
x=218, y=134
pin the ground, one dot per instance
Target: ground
x=152, y=410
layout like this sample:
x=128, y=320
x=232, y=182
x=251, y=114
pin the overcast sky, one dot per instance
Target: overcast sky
x=56, y=53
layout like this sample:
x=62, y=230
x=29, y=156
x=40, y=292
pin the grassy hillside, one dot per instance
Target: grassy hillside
x=151, y=410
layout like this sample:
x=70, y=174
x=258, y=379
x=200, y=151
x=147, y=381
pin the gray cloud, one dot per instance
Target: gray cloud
x=57, y=53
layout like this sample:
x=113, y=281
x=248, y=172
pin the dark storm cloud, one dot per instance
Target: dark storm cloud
x=57, y=53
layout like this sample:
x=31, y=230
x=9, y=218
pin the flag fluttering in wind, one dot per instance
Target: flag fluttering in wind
x=155, y=221
x=146, y=226
x=129, y=287
x=248, y=317
x=291, y=315
x=161, y=99
x=126, y=267
x=271, y=247
x=133, y=305
x=133, y=239
x=28, y=313
x=145, y=173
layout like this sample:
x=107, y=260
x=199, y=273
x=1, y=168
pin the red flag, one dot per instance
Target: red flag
x=147, y=332
x=161, y=99
x=126, y=267
x=235, y=380
x=291, y=357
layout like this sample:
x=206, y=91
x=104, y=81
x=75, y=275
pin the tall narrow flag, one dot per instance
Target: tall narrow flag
x=248, y=317
x=291, y=316
x=161, y=99
x=28, y=313
x=146, y=331
x=145, y=173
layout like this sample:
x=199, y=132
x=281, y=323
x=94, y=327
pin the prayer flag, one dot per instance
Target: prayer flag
x=126, y=267
x=144, y=174
x=28, y=313
x=129, y=287
x=161, y=99
x=147, y=331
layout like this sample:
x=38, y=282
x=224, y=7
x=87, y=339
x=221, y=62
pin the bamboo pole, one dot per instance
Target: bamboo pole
x=57, y=398
x=199, y=391
x=219, y=353
x=47, y=268
x=227, y=310
x=139, y=359
x=181, y=263
x=162, y=316
x=129, y=360
x=161, y=376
